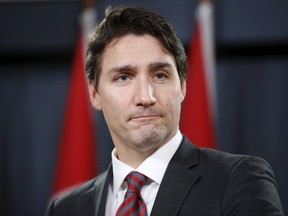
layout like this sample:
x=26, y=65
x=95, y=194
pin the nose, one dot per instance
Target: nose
x=144, y=93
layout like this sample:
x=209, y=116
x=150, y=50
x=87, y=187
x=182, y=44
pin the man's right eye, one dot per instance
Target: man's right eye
x=122, y=78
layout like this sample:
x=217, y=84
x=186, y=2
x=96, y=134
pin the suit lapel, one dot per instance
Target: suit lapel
x=179, y=179
x=93, y=202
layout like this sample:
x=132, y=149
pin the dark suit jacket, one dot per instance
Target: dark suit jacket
x=198, y=182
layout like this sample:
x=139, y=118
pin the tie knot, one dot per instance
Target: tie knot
x=135, y=181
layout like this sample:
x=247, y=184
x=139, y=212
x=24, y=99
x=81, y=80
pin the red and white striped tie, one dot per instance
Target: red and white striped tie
x=133, y=203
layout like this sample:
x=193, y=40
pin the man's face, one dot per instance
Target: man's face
x=139, y=93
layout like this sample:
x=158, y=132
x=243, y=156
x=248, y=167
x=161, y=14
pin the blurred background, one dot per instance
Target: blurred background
x=37, y=43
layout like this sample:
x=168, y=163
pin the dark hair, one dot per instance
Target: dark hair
x=122, y=21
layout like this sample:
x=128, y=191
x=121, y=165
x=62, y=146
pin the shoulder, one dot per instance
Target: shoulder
x=231, y=162
x=247, y=182
x=235, y=167
x=226, y=169
x=70, y=201
x=242, y=184
x=82, y=189
x=220, y=161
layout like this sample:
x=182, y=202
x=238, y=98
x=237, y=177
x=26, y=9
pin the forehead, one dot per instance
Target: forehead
x=134, y=49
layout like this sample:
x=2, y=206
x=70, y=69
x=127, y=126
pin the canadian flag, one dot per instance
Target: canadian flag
x=77, y=160
x=199, y=107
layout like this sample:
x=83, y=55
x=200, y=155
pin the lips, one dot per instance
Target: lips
x=140, y=116
x=145, y=120
x=145, y=117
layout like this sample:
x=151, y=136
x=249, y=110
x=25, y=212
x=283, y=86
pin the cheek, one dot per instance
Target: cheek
x=175, y=105
x=172, y=105
x=111, y=111
x=113, y=105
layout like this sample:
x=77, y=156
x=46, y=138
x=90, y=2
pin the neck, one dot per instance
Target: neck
x=134, y=158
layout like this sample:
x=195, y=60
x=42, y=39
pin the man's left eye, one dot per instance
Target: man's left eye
x=161, y=76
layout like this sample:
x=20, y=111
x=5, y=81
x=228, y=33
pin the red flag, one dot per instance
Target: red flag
x=198, y=110
x=76, y=159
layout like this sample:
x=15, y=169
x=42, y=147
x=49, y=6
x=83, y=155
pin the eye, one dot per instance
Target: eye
x=122, y=78
x=161, y=76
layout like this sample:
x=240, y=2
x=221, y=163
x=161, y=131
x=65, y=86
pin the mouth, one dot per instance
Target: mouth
x=145, y=118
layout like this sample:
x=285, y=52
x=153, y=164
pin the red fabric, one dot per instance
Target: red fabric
x=76, y=158
x=197, y=120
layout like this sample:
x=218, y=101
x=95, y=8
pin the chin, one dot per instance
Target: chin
x=148, y=135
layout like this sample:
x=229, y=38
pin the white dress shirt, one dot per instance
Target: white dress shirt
x=153, y=167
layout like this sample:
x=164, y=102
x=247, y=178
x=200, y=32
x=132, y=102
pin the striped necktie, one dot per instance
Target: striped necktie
x=133, y=204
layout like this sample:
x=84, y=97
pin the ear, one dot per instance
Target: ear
x=94, y=96
x=183, y=89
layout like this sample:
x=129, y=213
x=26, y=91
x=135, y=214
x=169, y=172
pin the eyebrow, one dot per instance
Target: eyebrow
x=151, y=66
x=122, y=68
x=158, y=65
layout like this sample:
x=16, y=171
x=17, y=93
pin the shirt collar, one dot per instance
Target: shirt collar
x=153, y=167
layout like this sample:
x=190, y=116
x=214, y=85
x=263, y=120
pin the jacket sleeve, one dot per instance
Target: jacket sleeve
x=251, y=190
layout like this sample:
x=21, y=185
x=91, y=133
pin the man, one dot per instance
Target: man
x=136, y=69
